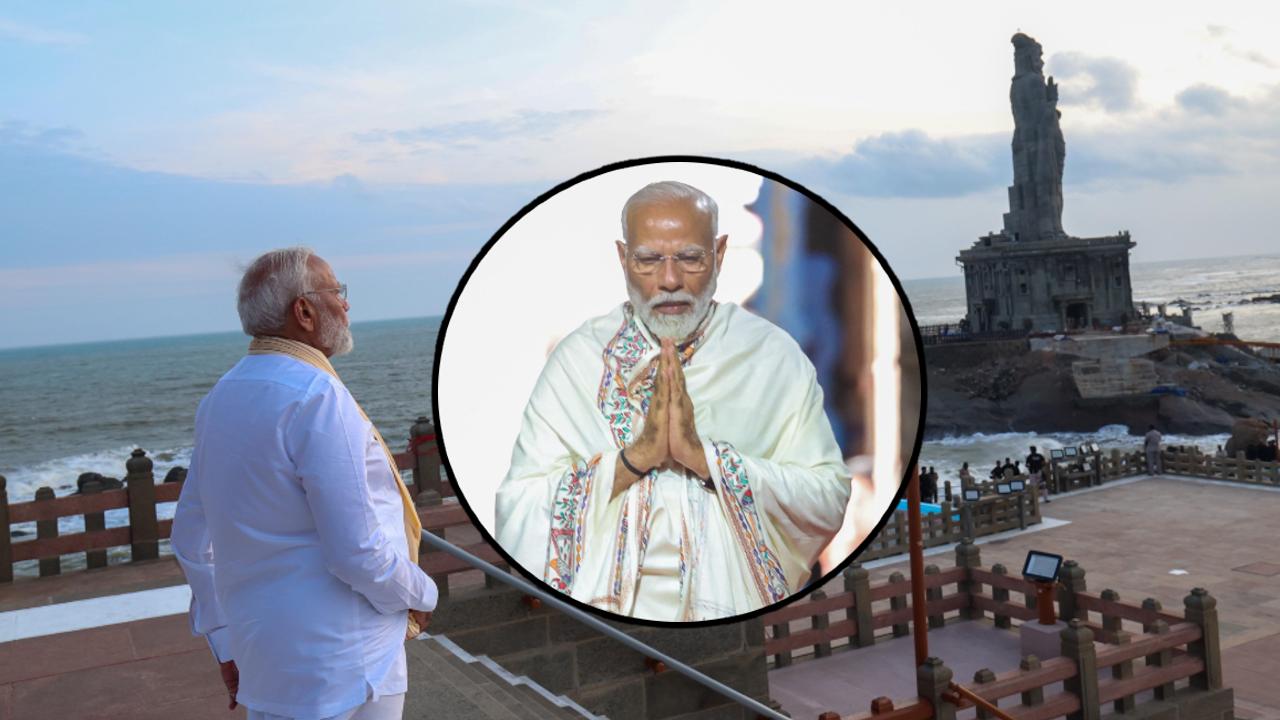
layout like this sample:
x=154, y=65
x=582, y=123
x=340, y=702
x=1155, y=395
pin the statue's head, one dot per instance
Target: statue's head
x=1027, y=54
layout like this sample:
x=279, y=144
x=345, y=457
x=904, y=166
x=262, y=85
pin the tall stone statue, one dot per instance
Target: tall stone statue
x=1035, y=198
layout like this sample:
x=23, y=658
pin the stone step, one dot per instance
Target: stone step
x=437, y=688
x=446, y=681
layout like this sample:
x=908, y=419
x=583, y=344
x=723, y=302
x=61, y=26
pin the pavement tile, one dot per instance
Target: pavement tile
x=119, y=690
x=82, y=584
x=1128, y=538
x=164, y=636
x=208, y=707
x=62, y=653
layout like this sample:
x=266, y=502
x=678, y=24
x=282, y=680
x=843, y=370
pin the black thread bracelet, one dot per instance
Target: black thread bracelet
x=622, y=455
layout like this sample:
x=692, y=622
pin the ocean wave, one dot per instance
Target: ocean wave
x=61, y=473
x=982, y=450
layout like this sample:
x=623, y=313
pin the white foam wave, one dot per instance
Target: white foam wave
x=982, y=450
x=60, y=474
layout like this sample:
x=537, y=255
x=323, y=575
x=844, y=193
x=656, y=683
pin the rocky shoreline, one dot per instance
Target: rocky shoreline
x=1003, y=387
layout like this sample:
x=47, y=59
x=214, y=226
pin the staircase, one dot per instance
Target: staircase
x=447, y=681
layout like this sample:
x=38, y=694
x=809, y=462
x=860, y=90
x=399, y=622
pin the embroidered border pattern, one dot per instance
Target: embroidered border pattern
x=568, y=511
x=617, y=401
x=765, y=568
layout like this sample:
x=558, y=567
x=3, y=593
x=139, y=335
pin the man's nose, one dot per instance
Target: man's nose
x=670, y=277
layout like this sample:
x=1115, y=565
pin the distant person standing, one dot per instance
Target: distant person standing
x=997, y=472
x=1152, y=447
x=1035, y=469
x=966, y=477
x=929, y=486
x=1009, y=469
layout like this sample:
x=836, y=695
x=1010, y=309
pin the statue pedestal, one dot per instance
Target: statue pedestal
x=1042, y=640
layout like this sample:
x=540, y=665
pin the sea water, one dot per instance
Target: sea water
x=72, y=409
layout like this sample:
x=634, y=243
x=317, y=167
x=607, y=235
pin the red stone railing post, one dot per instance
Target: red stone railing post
x=1151, y=605
x=1111, y=623
x=1000, y=595
x=1202, y=609
x=47, y=530
x=1077, y=645
x=1162, y=658
x=968, y=556
x=983, y=677
x=1070, y=582
x=933, y=595
x=6, y=544
x=821, y=621
x=933, y=680
x=1034, y=696
x=426, y=472
x=94, y=521
x=782, y=630
x=144, y=531
x=858, y=581
x=1123, y=671
x=897, y=602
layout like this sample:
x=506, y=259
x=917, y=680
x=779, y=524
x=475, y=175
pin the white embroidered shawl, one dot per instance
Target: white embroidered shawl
x=780, y=485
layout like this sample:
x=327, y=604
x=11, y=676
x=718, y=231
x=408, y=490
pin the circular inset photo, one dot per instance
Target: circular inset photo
x=679, y=390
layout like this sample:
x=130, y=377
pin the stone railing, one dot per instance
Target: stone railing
x=141, y=496
x=991, y=514
x=1176, y=657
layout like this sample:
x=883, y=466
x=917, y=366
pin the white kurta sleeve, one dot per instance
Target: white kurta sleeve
x=794, y=497
x=327, y=440
x=191, y=545
x=561, y=479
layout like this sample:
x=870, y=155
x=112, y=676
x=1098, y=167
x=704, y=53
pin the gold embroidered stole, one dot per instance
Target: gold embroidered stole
x=313, y=357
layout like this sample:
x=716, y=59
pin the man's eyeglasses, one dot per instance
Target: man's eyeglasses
x=340, y=291
x=690, y=261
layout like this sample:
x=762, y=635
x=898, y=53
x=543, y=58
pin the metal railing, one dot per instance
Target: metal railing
x=602, y=627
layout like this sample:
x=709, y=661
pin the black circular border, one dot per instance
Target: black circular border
x=653, y=160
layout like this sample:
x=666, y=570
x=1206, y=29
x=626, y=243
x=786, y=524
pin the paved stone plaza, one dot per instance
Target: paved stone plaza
x=1131, y=536
x=1128, y=536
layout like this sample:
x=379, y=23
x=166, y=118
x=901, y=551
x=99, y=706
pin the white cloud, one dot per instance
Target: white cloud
x=33, y=35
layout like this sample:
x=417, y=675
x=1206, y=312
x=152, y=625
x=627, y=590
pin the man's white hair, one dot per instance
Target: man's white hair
x=667, y=191
x=270, y=285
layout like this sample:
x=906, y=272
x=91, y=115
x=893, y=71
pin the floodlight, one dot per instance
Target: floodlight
x=1003, y=488
x=972, y=495
x=1041, y=566
x=1056, y=453
x=1017, y=485
x=1093, y=447
x=1069, y=452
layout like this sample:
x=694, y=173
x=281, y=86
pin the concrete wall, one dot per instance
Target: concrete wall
x=1100, y=347
x=1114, y=377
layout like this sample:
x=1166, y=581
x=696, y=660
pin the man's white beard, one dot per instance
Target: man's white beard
x=335, y=336
x=675, y=327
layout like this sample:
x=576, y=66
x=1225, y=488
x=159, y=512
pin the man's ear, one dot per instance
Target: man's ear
x=304, y=314
x=722, y=244
x=622, y=254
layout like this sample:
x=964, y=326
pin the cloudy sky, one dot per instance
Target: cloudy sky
x=147, y=149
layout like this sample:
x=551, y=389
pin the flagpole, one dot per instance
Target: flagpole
x=920, y=629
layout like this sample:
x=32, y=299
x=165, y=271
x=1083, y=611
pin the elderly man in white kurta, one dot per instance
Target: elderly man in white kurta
x=674, y=462
x=293, y=528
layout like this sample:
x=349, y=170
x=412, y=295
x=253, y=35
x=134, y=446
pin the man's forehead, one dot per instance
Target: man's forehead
x=320, y=268
x=670, y=220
